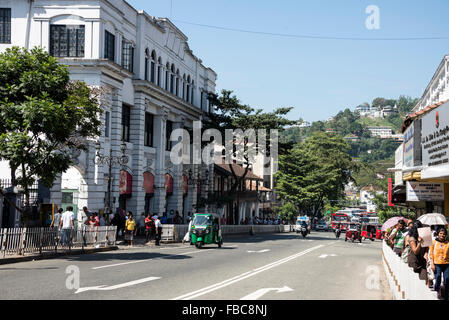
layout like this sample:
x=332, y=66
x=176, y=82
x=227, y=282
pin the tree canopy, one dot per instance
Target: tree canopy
x=43, y=116
x=314, y=172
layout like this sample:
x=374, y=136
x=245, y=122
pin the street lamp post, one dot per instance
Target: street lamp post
x=110, y=160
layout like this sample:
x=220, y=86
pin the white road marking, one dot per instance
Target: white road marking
x=118, y=286
x=259, y=293
x=225, y=283
x=138, y=261
x=327, y=255
x=260, y=251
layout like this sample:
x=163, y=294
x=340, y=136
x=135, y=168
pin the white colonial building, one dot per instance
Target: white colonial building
x=438, y=88
x=153, y=83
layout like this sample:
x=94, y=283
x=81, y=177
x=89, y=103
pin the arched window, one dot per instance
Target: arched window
x=177, y=83
x=193, y=88
x=188, y=89
x=159, y=71
x=147, y=57
x=167, y=68
x=184, y=87
x=172, y=79
x=153, y=66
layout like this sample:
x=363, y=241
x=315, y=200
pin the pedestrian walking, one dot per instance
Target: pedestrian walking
x=398, y=237
x=188, y=234
x=158, y=228
x=416, y=256
x=56, y=218
x=130, y=228
x=439, y=254
x=87, y=215
x=66, y=224
x=149, y=228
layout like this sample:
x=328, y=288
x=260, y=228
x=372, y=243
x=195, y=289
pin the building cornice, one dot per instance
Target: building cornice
x=162, y=95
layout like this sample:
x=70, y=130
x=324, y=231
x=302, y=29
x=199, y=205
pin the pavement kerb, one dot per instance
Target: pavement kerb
x=52, y=255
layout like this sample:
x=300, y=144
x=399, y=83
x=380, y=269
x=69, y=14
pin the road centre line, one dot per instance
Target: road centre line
x=243, y=276
x=138, y=261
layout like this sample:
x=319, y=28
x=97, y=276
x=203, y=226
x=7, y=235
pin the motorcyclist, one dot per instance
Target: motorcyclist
x=337, y=231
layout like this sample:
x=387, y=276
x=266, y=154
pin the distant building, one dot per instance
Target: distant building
x=375, y=112
x=382, y=132
x=352, y=137
x=367, y=194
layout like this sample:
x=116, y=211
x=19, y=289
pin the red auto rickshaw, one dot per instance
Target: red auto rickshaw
x=353, y=233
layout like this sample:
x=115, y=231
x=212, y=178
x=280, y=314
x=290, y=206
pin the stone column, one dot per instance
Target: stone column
x=137, y=201
x=116, y=141
x=160, y=122
x=175, y=202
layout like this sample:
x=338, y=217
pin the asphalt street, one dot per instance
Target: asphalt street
x=264, y=266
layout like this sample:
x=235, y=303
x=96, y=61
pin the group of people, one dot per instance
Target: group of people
x=431, y=263
x=260, y=221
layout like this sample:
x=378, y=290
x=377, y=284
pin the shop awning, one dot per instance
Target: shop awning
x=125, y=182
x=148, y=182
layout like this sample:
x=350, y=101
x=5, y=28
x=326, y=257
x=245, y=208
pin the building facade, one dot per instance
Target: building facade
x=151, y=84
x=438, y=88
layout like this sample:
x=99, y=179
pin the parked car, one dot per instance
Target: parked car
x=321, y=226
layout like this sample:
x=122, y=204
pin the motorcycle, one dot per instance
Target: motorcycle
x=304, y=232
x=337, y=233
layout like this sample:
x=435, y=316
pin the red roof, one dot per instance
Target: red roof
x=409, y=119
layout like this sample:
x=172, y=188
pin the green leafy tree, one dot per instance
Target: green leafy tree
x=43, y=117
x=315, y=172
x=288, y=212
x=230, y=113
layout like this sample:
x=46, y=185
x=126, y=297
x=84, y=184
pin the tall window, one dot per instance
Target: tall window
x=5, y=25
x=67, y=41
x=127, y=55
x=166, y=78
x=159, y=71
x=193, y=87
x=146, y=64
x=168, y=130
x=109, y=46
x=107, y=123
x=153, y=65
x=148, y=139
x=126, y=122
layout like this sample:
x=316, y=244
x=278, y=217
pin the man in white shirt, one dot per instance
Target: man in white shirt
x=67, y=225
x=158, y=227
x=56, y=219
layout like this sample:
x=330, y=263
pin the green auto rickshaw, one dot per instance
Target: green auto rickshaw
x=206, y=229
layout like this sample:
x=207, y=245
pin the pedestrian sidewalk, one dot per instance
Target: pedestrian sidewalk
x=51, y=255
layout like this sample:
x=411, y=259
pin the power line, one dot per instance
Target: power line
x=303, y=36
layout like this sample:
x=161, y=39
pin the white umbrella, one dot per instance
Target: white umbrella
x=432, y=219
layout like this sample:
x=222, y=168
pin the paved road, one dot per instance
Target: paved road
x=274, y=266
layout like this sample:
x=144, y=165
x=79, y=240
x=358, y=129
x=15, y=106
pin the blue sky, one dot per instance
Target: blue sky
x=316, y=77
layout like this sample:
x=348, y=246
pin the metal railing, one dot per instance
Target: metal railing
x=22, y=241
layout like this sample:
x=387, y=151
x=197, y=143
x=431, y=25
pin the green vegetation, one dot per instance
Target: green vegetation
x=44, y=117
x=314, y=172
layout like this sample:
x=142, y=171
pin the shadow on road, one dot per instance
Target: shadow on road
x=127, y=256
x=48, y=268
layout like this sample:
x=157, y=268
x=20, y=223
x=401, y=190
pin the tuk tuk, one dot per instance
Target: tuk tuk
x=353, y=232
x=369, y=231
x=206, y=229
